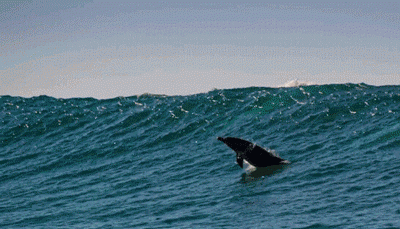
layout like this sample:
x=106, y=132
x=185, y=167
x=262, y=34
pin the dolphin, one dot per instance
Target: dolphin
x=251, y=153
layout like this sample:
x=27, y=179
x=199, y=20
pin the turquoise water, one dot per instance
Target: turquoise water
x=153, y=161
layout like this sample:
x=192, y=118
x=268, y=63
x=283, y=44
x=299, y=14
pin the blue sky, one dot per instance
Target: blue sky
x=106, y=49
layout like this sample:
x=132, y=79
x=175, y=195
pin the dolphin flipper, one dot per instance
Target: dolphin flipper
x=239, y=161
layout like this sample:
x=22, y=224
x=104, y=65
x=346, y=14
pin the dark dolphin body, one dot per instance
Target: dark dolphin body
x=252, y=153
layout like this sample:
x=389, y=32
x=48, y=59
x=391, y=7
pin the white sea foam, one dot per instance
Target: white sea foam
x=297, y=83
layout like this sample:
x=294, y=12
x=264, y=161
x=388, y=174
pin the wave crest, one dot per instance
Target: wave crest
x=297, y=83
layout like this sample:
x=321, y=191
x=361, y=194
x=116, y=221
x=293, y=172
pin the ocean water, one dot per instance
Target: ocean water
x=153, y=161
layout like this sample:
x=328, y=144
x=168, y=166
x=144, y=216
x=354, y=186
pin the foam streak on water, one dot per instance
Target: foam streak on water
x=154, y=162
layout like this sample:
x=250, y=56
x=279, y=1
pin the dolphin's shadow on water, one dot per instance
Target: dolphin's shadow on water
x=261, y=173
